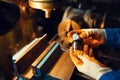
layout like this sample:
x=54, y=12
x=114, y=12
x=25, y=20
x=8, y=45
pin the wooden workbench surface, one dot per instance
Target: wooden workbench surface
x=64, y=68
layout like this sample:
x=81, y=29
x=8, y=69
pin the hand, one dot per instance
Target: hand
x=86, y=63
x=91, y=37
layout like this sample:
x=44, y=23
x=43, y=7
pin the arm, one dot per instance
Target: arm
x=112, y=75
x=112, y=37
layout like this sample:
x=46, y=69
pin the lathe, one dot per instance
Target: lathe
x=39, y=45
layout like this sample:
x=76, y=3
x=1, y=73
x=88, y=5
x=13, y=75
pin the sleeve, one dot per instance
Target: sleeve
x=112, y=37
x=112, y=75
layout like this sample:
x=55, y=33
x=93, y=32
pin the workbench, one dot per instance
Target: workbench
x=63, y=69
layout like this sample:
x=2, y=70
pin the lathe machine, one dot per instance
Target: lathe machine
x=39, y=45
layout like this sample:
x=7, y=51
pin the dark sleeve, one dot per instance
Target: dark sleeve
x=112, y=75
x=113, y=37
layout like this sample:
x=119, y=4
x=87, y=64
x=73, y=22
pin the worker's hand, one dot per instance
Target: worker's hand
x=86, y=63
x=91, y=37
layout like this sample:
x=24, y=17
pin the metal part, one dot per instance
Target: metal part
x=64, y=27
x=77, y=42
x=41, y=56
x=75, y=36
x=92, y=18
x=25, y=58
x=70, y=12
x=72, y=20
x=53, y=53
x=46, y=5
x=75, y=15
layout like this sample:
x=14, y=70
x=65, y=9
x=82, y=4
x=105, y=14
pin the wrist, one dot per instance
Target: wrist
x=102, y=71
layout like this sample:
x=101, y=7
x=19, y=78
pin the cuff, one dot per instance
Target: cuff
x=102, y=71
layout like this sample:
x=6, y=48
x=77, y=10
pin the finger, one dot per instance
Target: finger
x=91, y=54
x=83, y=35
x=70, y=34
x=71, y=51
x=78, y=52
x=76, y=31
x=86, y=49
x=75, y=58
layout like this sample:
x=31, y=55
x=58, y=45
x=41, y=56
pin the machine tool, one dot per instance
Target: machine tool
x=46, y=5
x=46, y=56
x=64, y=27
x=39, y=63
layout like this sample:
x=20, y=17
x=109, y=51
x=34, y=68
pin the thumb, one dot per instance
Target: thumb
x=83, y=34
x=74, y=58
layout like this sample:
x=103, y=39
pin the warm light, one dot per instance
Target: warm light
x=46, y=5
x=22, y=8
